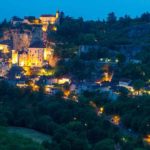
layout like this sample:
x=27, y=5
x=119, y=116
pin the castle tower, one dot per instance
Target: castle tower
x=57, y=15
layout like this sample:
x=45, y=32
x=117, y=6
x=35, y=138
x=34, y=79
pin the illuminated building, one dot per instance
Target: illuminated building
x=23, y=58
x=47, y=20
x=44, y=20
x=4, y=48
x=36, y=54
x=50, y=19
x=48, y=52
x=32, y=57
x=5, y=45
x=37, y=21
x=63, y=81
x=107, y=77
x=14, y=57
x=44, y=27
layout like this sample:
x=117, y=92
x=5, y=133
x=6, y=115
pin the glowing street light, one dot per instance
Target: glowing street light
x=115, y=120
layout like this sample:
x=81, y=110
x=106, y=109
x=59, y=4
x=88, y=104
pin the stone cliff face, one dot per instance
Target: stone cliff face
x=6, y=35
x=21, y=40
x=37, y=34
x=53, y=60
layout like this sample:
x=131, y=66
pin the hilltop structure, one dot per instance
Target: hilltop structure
x=30, y=48
x=44, y=20
x=35, y=56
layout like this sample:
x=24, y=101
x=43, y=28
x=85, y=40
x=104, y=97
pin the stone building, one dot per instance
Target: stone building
x=36, y=54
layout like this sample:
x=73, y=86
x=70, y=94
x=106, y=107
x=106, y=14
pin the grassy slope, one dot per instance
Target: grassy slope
x=29, y=133
x=16, y=142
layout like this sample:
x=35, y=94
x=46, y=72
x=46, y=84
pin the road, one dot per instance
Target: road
x=122, y=128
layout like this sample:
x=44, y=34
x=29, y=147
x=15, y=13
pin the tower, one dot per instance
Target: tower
x=57, y=14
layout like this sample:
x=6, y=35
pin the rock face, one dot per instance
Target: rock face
x=53, y=60
x=21, y=40
x=37, y=34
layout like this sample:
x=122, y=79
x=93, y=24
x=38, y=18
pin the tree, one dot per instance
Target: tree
x=123, y=92
x=87, y=39
x=15, y=70
x=145, y=17
x=65, y=145
x=106, y=144
x=111, y=18
x=125, y=21
x=121, y=58
x=138, y=85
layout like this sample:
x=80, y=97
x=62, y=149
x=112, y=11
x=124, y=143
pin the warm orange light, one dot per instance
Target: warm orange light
x=107, y=77
x=67, y=93
x=63, y=81
x=147, y=139
x=54, y=28
x=101, y=110
x=44, y=28
x=14, y=57
x=34, y=86
x=27, y=71
x=116, y=120
x=4, y=48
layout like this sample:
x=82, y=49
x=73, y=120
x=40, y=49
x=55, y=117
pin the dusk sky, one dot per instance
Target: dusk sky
x=88, y=9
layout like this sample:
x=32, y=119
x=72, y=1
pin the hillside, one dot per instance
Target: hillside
x=9, y=141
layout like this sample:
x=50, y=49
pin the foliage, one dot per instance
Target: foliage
x=72, y=125
x=134, y=113
x=16, y=142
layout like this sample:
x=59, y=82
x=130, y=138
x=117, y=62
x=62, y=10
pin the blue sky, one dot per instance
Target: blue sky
x=88, y=9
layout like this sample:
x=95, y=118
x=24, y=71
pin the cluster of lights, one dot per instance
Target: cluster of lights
x=108, y=60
